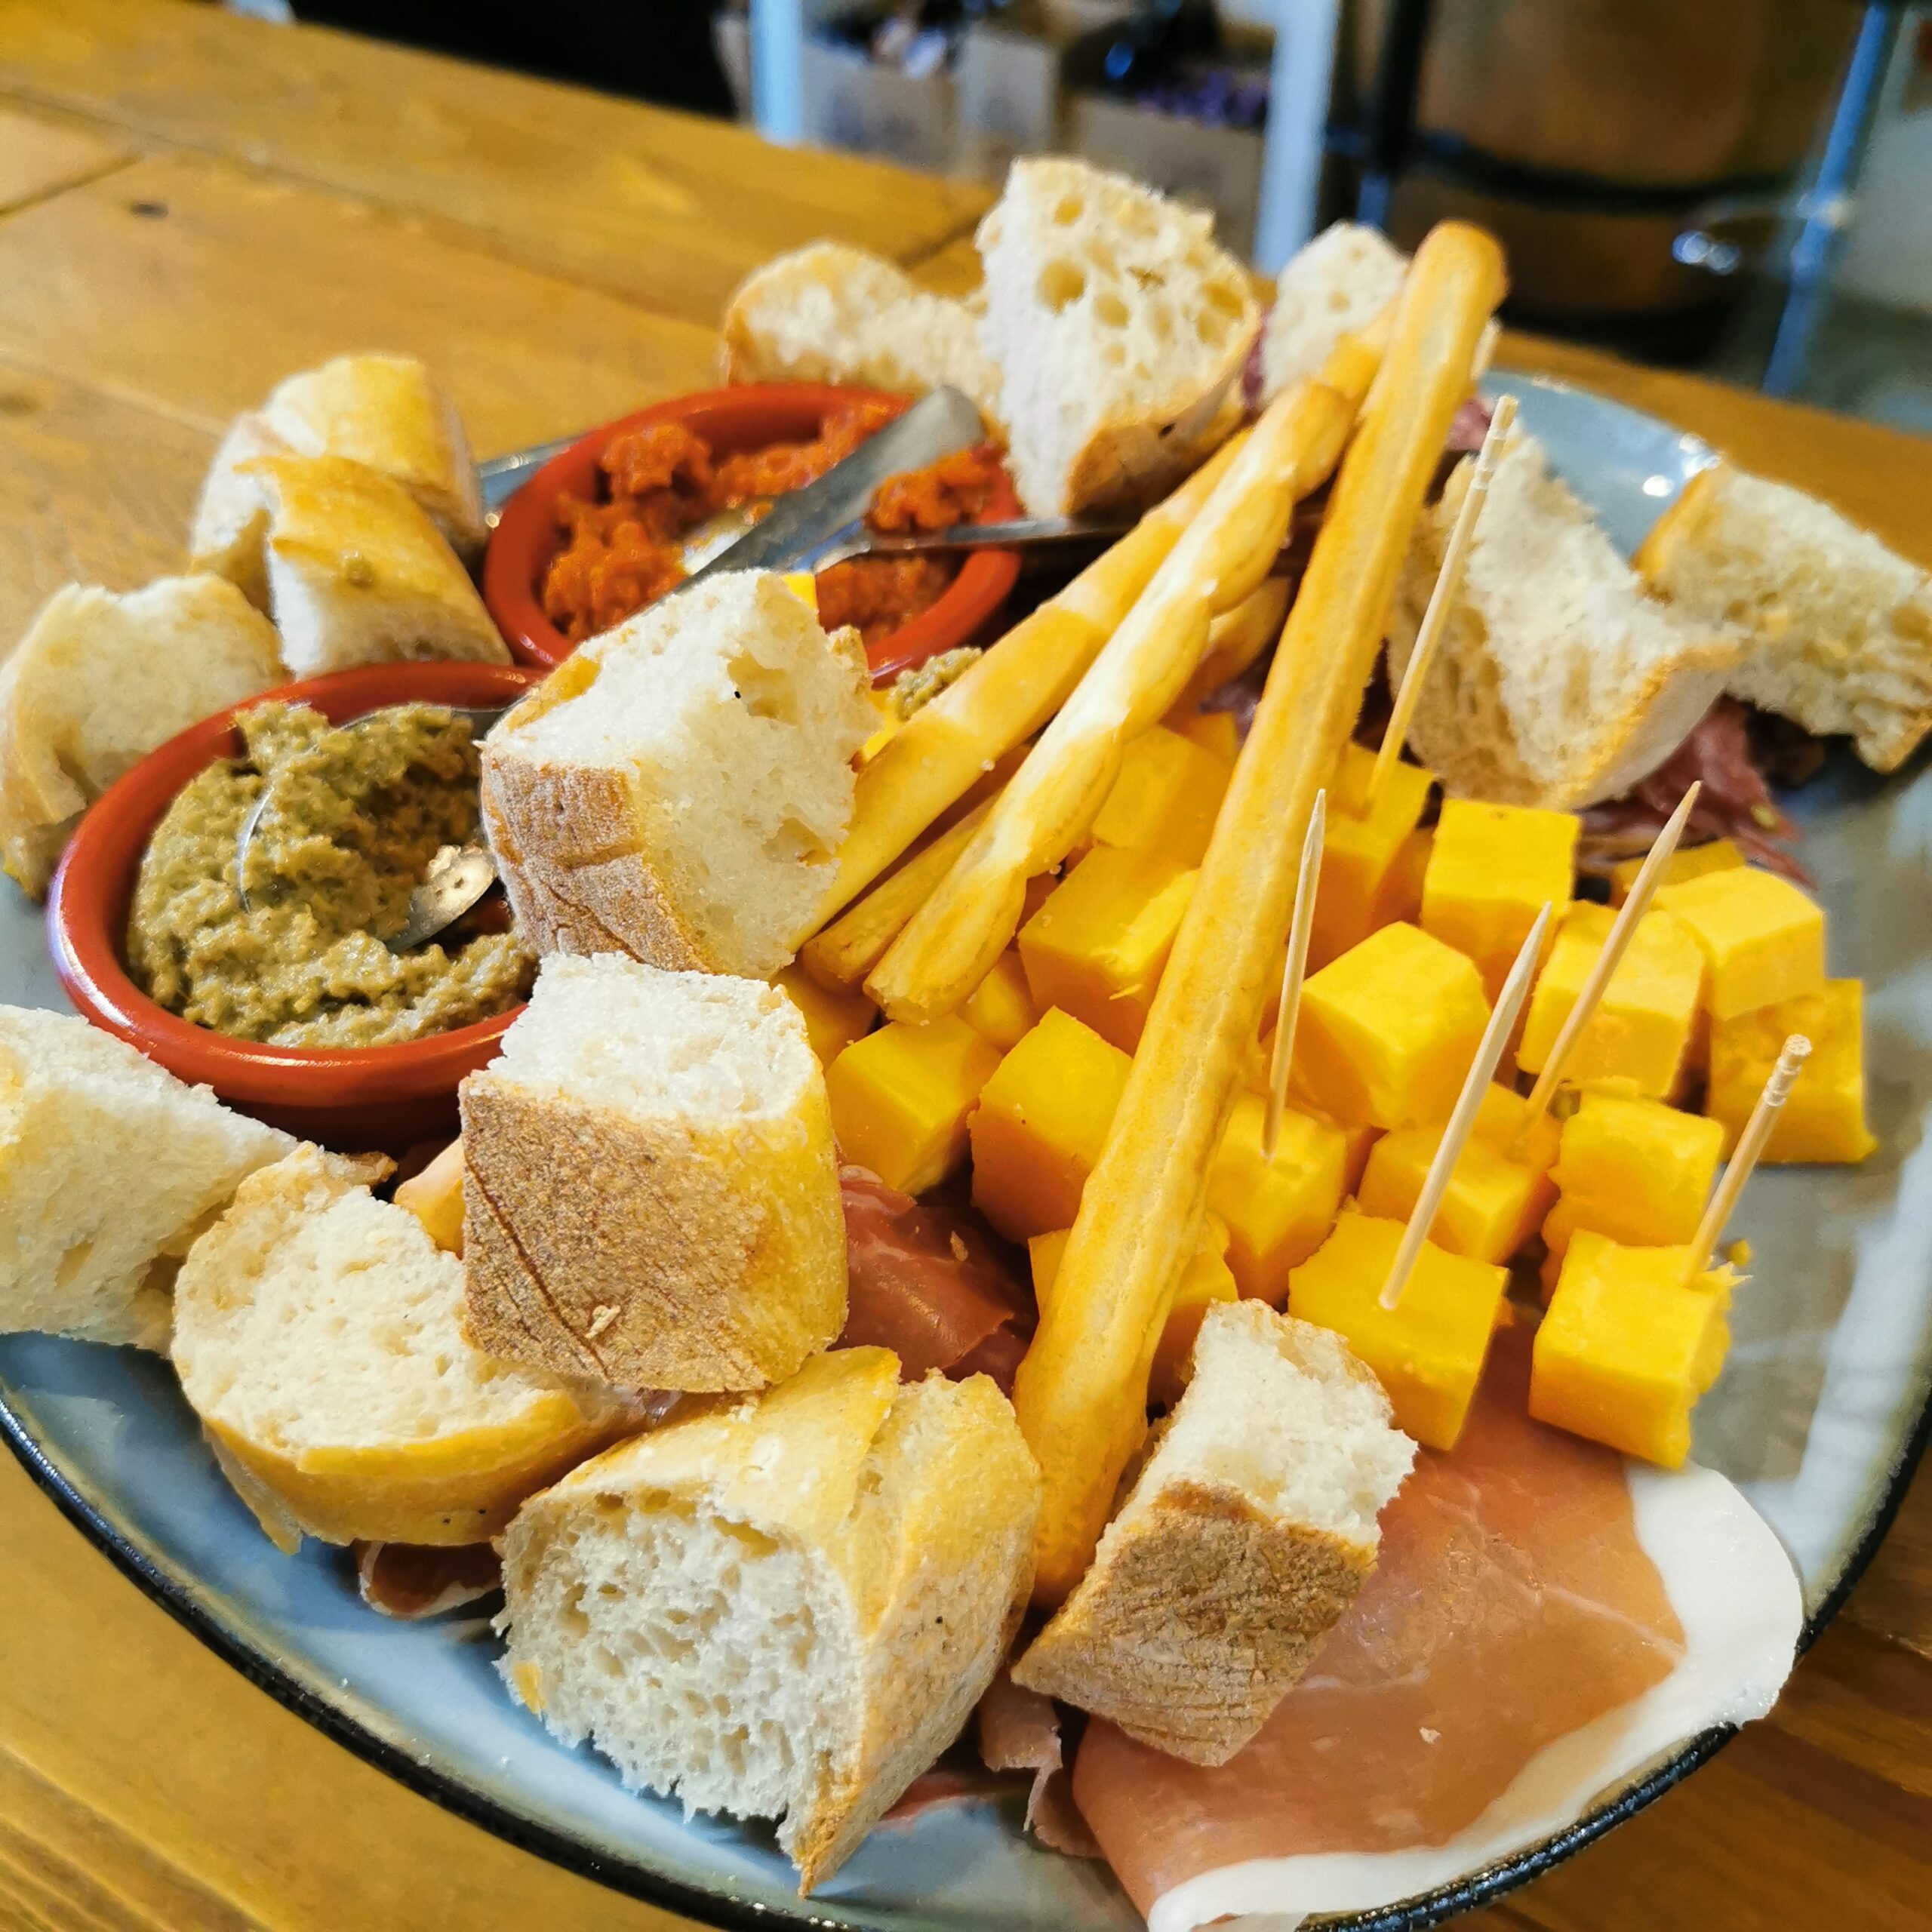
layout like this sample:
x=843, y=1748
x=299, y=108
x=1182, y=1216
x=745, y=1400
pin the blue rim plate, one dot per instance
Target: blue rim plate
x=1822, y=1415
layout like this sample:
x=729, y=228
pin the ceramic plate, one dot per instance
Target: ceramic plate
x=1819, y=1415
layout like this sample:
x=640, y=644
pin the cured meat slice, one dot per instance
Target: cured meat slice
x=1515, y=1612
x=410, y=1581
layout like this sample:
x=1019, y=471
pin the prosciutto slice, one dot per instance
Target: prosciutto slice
x=1517, y=1618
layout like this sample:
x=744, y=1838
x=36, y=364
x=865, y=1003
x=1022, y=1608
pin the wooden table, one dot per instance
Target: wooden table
x=192, y=205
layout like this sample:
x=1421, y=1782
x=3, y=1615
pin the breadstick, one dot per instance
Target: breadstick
x=1005, y=698
x=1236, y=639
x=949, y=945
x=1082, y=1391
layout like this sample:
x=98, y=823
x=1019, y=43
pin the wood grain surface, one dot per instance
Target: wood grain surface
x=192, y=205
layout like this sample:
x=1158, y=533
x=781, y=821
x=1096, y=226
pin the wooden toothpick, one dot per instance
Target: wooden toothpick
x=1469, y=1103
x=1649, y=878
x=1294, y=973
x=1442, y=599
x=1723, y=1202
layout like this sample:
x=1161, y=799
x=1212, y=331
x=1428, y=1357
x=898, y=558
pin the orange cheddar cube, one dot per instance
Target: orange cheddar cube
x=1164, y=800
x=1363, y=851
x=1494, y=1203
x=1823, y=1120
x=1429, y=1350
x=1628, y=1344
x=1215, y=732
x=1400, y=897
x=1491, y=870
x=1642, y=1025
x=1715, y=855
x=1278, y=1212
x=1387, y=1031
x=1636, y=1170
x=1096, y=948
x=1040, y=888
x=1042, y=1121
x=1763, y=940
x=833, y=1020
x=901, y=1098
x=1000, y=1008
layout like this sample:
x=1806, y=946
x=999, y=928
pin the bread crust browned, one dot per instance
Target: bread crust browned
x=649, y=1254
x=1196, y=1616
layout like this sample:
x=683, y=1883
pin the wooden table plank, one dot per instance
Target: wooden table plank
x=190, y=287
x=671, y=210
x=39, y=156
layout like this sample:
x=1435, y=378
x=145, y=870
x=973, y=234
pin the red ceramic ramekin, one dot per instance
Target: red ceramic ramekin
x=749, y=416
x=352, y=1097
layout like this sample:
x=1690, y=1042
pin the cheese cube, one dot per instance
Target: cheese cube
x=1429, y=1350
x=1279, y=1211
x=901, y=1098
x=1040, y=888
x=1401, y=897
x=1492, y=869
x=1494, y=1205
x=1164, y=800
x=833, y=1020
x=1824, y=1118
x=1000, y=1008
x=1629, y=1342
x=1763, y=940
x=1215, y=732
x=1687, y=862
x=1042, y=1121
x=1362, y=850
x=1642, y=1028
x=1096, y=948
x=1636, y=1170
x=1387, y=1031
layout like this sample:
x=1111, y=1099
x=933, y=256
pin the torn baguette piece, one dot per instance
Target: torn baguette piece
x=109, y=1168
x=318, y=1335
x=1839, y=627
x=100, y=679
x=231, y=520
x=1120, y=330
x=830, y=313
x=785, y=1607
x=651, y=1191
x=1559, y=681
x=1335, y=285
x=1249, y=1529
x=358, y=574
x=677, y=789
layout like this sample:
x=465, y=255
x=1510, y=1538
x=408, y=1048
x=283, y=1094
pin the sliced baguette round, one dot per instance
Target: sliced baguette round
x=1839, y=627
x=99, y=681
x=1248, y=1531
x=318, y=1336
x=1559, y=680
x=781, y=1607
x=1119, y=329
x=651, y=1192
x=109, y=1167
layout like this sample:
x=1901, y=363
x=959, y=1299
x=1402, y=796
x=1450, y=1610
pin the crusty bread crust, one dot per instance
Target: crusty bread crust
x=1192, y=1624
x=649, y=1254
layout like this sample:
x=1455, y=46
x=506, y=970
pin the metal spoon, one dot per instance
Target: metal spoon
x=458, y=876
x=716, y=534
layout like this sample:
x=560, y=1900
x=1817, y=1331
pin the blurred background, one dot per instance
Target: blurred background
x=1740, y=186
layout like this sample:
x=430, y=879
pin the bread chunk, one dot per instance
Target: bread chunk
x=99, y=681
x=109, y=1167
x=318, y=1335
x=1839, y=627
x=231, y=521
x=1120, y=330
x=781, y=1607
x=829, y=313
x=1559, y=681
x=1249, y=1530
x=1334, y=286
x=678, y=788
x=650, y=1193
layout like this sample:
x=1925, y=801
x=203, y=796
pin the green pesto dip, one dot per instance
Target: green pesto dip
x=352, y=819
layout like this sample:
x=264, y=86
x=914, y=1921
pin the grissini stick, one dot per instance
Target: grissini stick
x=1236, y=638
x=951, y=943
x=1469, y=1104
x=1082, y=1388
x=1723, y=1202
x=1293, y=973
x=1649, y=878
x=1442, y=599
